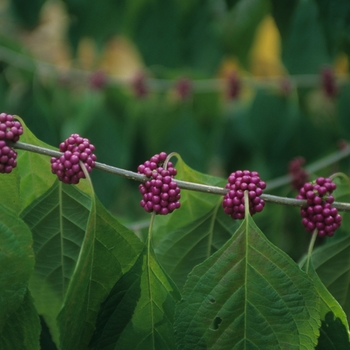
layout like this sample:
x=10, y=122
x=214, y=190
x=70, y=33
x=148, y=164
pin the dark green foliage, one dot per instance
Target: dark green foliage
x=27, y=16
x=97, y=284
x=304, y=47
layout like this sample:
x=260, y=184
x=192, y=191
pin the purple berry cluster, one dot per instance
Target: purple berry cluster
x=75, y=149
x=183, y=88
x=319, y=213
x=238, y=182
x=299, y=175
x=139, y=85
x=233, y=86
x=10, y=130
x=98, y=80
x=329, y=83
x=160, y=194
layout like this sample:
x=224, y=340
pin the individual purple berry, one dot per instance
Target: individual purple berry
x=238, y=182
x=160, y=194
x=299, y=175
x=75, y=149
x=318, y=213
x=10, y=130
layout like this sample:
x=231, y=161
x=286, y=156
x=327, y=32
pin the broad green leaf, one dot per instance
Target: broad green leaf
x=334, y=325
x=332, y=264
x=335, y=22
x=304, y=48
x=241, y=24
x=185, y=247
x=108, y=251
x=34, y=169
x=57, y=220
x=191, y=234
x=248, y=295
x=16, y=262
x=77, y=299
x=138, y=313
x=22, y=328
x=10, y=190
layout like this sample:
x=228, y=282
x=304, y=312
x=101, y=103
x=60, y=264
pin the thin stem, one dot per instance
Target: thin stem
x=172, y=154
x=324, y=162
x=182, y=184
x=311, y=247
x=342, y=175
x=22, y=61
x=246, y=204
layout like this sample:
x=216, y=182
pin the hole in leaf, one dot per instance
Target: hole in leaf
x=215, y=325
x=212, y=300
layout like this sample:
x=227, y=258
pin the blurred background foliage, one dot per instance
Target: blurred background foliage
x=228, y=84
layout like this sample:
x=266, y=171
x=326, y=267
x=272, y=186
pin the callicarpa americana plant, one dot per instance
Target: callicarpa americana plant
x=202, y=276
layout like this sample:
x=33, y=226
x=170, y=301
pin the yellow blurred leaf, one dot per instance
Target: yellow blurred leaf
x=265, y=54
x=48, y=40
x=341, y=66
x=121, y=58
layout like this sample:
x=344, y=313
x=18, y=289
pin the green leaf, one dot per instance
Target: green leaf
x=57, y=220
x=334, y=335
x=249, y=294
x=27, y=16
x=34, y=169
x=10, y=191
x=241, y=24
x=334, y=325
x=22, y=328
x=138, y=313
x=159, y=18
x=60, y=220
x=335, y=22
x=304, y=49
x=16, y=262
x=77, y=299
x=332, y=264
x=191, y=234
x=102, y=263
x=108, y=251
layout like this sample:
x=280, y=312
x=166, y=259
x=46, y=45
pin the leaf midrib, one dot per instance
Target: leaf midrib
x=60, y=206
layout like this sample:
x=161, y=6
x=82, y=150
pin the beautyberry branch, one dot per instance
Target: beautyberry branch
x=184, y=184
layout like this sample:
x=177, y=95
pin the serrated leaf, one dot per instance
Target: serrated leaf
x=102, y=262
x=72, y=317
x=138, y=313
x=332, y=264
x=57, y=220
x=249, y=294
x=22, y=328
x=198, y=229
x=16, y=262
